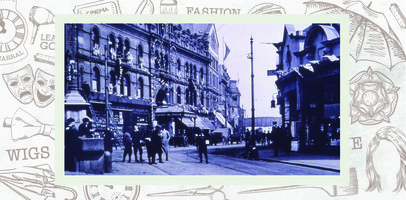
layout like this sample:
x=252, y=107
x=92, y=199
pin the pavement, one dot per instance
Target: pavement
x=186, y=157
x=326, y=162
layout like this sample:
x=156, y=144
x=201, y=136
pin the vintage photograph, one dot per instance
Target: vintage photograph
x=202, y=99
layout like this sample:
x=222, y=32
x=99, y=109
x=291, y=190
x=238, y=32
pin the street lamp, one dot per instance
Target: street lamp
x=251, y=57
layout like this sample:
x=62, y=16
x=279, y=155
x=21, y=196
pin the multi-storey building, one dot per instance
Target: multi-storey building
x=309, y=83
x=151, y=73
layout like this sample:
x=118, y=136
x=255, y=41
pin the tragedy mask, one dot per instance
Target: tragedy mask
x=44, y=88
x=20, y=84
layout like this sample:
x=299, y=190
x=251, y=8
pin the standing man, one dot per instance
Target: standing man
x=148, y=144
x=276, y=139
x=202, y=146
x=85, y=128
x=127, y=146
x=157, y=143
x=288, y=138
x=136, y=138
x=165, y=141
x=109, y=140
x=71, y=145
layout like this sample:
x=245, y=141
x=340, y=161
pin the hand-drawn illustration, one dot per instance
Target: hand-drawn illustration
x=169, y=7
x=332, y=191
x=371, y=37
x=43, y=88
x=35, y=182
x=145, y=7
x=23, y=125
x=42, y=58
x=40, y=16
x=373, y=97
x=398, y=139
x=209, y=191
x=98, y=7
x=20, y=84
x=397, y=13
x=13, y=31
x=93, y=192
x=25, y=88
x=267, y=8
x=356, y=142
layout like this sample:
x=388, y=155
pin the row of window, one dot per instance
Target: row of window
x=117, y=48
x=120, y=49
x=123, y=88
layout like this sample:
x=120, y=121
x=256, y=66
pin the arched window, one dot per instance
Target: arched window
x=112, y=83
x=179, y=97
x=112, y=47
x=140, y=88
x=201, y=74
x=140, y=54
x=156, y=60
x=166, y=62
x=96, y=79
x=187, y=69
x=95, y=42
x=194, y=99
x=126, y=46
x=178, y=67
x=120, y=46
x=126, y=86
x=187, y=96
x=194, y=72
x=202, y=98
x=161, y=60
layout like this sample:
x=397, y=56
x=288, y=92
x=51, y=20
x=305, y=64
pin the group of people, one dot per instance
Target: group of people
x=156, y=141
x=281, y=139
x=72, y=135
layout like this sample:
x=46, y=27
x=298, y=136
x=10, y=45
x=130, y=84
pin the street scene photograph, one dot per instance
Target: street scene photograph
x=202, y=99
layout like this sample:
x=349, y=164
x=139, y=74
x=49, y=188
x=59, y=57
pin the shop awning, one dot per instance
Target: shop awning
x=222, y=120
x=173, y=111
x=208, y=123
x=194, y=122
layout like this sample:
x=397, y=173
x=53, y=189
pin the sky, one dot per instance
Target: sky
x=237, y=37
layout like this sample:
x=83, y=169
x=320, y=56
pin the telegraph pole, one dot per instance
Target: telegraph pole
x=252, y=88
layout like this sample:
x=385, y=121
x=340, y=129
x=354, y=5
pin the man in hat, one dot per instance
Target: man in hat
x=127, y=146
x=165, y=136
x=71, y=145
x=109, y=139
x=136, y=136
x=202, y=146
x=85, y=128
x=148, y=144
x=156, y=141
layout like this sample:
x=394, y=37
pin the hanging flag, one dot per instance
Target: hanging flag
x=227, y=52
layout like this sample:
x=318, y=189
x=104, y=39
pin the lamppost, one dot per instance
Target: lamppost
x=251, y=57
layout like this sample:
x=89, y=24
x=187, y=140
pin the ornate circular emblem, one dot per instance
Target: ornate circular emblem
x=373, y=97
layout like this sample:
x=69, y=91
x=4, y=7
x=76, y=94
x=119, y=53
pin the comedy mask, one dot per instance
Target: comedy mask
x=20, y=84
x=44, y=88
